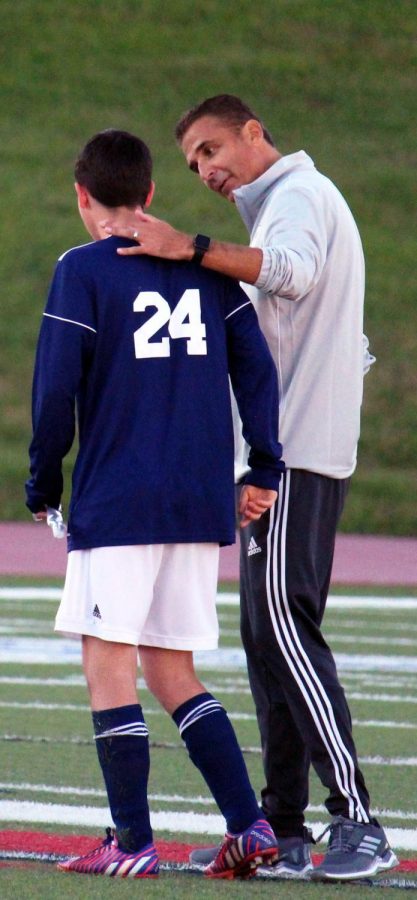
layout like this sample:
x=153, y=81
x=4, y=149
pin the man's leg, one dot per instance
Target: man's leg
x=283, y=596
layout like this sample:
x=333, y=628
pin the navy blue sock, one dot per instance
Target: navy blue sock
x=213, y=748
x=123, y=752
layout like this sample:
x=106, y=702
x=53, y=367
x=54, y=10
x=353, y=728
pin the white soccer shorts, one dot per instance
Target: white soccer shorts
x=160, y=595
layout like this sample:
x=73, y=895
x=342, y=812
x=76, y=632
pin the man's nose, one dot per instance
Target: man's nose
x=205, y=171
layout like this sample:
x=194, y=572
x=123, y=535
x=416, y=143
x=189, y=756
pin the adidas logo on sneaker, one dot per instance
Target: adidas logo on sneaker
x=96, y=612
x=253, y=547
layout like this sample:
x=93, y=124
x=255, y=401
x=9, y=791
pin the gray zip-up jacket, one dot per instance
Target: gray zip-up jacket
x=309, y=299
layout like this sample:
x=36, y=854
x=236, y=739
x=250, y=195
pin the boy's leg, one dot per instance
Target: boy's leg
x=213, y=748
x=123, y=751
x=121, y=737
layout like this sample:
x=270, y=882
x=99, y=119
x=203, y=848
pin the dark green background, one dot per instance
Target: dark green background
x=336, y=79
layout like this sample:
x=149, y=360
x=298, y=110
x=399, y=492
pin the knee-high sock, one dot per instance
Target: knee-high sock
x=213, y=748
x=123, y=751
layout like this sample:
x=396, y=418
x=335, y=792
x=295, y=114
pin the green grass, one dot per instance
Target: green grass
x=45, y=749
x=335, y=79
x=46, y=883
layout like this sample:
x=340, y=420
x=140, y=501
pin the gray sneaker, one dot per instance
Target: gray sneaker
x=354, y=851
x=203, y=856
x=294, y=858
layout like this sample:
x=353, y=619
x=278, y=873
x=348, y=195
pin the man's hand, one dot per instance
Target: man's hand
x=254, y=501
x=154, y=237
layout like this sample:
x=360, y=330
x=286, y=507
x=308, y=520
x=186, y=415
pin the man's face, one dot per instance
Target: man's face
x=223, y=156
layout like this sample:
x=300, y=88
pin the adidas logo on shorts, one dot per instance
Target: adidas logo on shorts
x=253, y=547
x=96, y=612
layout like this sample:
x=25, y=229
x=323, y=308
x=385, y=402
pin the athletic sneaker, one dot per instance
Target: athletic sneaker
x=294, y=857
x=108, y=859
x=241, y=854
x=354, y=851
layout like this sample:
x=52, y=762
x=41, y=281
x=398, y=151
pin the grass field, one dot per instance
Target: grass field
x=335, y=79
x=50, y=780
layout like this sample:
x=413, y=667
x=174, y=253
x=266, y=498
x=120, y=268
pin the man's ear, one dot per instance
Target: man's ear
x=149, y=198
x=253, y=130
x=82, y=195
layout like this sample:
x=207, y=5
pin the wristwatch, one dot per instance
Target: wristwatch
x=201, y=243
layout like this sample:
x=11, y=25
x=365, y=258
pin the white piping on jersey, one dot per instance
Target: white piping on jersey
x=306, y=678
x=237, y=309
x=71, y=321
x=78, y=247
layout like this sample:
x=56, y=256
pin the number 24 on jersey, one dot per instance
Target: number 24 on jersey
x=184, y=321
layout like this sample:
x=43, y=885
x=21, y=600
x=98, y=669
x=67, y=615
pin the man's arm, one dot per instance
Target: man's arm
x=157, y=238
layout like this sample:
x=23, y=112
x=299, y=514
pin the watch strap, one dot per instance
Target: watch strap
x=201, y=243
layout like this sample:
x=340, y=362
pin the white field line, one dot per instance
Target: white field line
x=372, y=639
x=227, y=684
x=12, y=627
x=228, y=598
x=399, y=761
x=56, y=650
x=174, y=822
x=235, y=716
x=64, y=790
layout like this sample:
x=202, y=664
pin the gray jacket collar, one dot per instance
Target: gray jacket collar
x=249, y=198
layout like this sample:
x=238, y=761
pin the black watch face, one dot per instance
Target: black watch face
x=201, y=242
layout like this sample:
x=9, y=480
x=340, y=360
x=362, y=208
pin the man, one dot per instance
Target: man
x=145, y=350
x=304, y=272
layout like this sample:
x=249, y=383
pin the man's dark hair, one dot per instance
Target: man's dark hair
x=116, y=168
x=230, y=109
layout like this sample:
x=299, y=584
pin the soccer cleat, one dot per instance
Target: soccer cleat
x=355, y=850
x=240, y=854
x=294, y=857
x=109, y=859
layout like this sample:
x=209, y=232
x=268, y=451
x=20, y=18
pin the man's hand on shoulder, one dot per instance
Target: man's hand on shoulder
x=154, y=237
x=254, y=501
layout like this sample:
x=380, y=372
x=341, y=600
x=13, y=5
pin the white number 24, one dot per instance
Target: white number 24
x=187, y=308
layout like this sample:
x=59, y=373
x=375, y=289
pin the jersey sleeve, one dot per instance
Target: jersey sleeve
x=65, y=345
x=254, y=381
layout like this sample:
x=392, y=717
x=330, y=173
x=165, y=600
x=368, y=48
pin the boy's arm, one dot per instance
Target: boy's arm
x=60, y=359
x=253, y=502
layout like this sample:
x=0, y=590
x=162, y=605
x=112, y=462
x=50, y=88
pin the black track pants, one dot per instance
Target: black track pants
x=303, y=716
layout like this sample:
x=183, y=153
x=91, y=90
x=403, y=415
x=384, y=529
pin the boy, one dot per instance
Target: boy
x=145, y=349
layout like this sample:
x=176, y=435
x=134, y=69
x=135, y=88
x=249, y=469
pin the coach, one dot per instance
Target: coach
x=304, y=272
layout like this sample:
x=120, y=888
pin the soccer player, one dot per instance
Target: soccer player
x=144, y=350
x=304, y=272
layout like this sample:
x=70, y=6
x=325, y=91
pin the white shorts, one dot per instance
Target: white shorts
x=160, y=595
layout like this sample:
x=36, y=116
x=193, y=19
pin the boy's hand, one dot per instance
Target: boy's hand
x=254, y=501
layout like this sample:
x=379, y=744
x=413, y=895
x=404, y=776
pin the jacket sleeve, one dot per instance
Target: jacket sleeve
x=64, y=346
x=295, y=245
x=254, y=381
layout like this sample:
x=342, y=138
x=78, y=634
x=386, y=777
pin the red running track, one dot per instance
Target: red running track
x=29, y=549
x=56, y=845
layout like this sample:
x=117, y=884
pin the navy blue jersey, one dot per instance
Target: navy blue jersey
x=143, y=348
